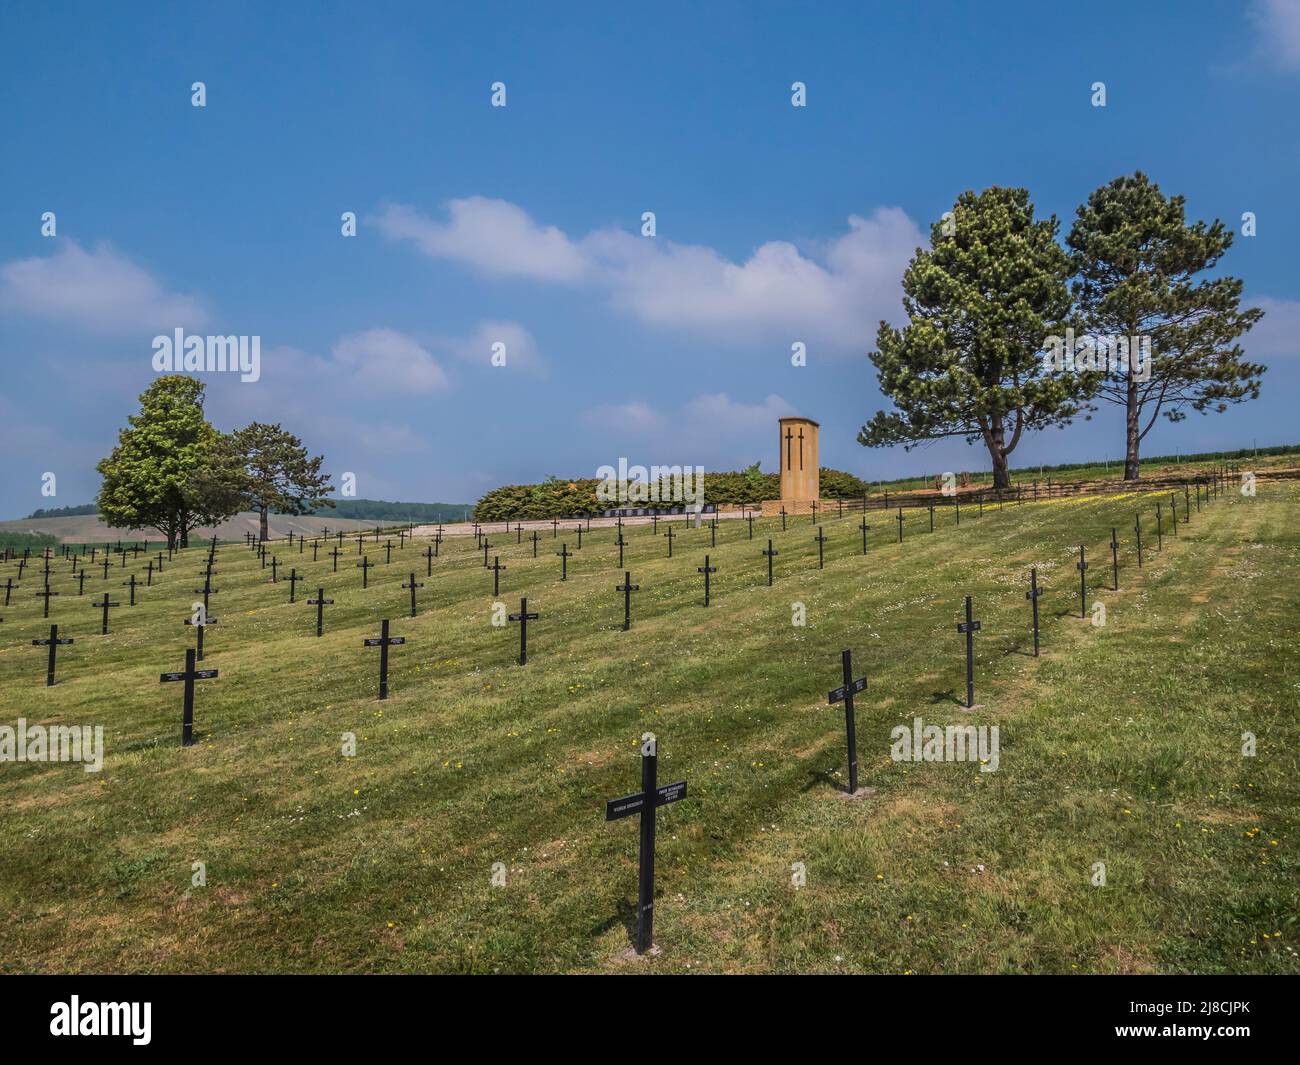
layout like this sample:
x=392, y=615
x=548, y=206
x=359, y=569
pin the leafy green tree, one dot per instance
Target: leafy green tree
x=981, y=303
x=1135, y=259
x=171, y=470
x=279, y=475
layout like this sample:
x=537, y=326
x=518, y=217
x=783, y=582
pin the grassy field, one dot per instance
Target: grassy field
x=1120, y=745
x=88, y=529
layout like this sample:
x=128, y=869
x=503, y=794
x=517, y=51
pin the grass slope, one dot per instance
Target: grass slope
x=1120, y=745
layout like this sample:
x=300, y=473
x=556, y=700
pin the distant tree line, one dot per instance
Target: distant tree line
x=557, y=498
x=382, y=510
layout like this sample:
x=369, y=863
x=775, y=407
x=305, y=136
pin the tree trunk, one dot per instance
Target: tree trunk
x=996, y=442
x=263, y=521
x=1132, y=438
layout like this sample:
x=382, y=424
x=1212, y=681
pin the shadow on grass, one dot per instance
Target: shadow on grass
x=947, y=696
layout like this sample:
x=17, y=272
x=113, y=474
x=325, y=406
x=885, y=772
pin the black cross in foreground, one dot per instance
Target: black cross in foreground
x=53, y=642
x=320, y=603
x=669, y=535
x=771, y=553
x=523, y=617
x=189, y=675
x=294, y=578
x=428, y=560
x=536, y=537
x=412, y=586
x=627, y=588
x=1137, y=528
x=1114, y=559
x=845, y=694
x=1032, y=595
x=821, y=541
x=1082, y=567
x=130, y=584
x=645, y=802
x=9, y=587
x=335, y=555
x=970, y=627
x=365, y=564
x=200, y=621
x=864, y=527
x=384, y=642
x=706, y=569
x=900, y=525
x=565, y=555
x=103, y=629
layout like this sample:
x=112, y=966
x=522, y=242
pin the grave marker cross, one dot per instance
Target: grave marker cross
x=845, y=694
x=645, y=802
x=365, y=565
x=294, y=578
x=10, y=586
x=497, y=569
x=335, y=553
x=669, y=536
x=130, y=584
x=1114, y=559
x=188, y=675
x=1032, y=595
x=45, y=595
x=970, y=627
x=627, y=588
x=771, y=553
x=384, y=642
x=320, y=603
x=428, y=561
x=200, y=622
x=864, y=527
x=706, y=569
x=1082, y=567
x=564, y=555
x=821, y=541
x=412, y=586
x=103, y=629
x=1137, y=528
x=900, y=525
x=523, y=617
x=53, y=641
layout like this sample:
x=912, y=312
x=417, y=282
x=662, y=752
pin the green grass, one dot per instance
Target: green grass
x=1120, y=745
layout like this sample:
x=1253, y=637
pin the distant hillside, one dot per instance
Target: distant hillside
x=87, y=528
x=381, y=510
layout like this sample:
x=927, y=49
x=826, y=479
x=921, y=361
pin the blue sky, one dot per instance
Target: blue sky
x=522, y=224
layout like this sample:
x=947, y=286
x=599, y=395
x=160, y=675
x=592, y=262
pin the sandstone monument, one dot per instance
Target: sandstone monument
x=799, y=462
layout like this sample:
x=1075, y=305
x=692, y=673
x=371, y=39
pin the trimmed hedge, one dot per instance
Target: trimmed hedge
x=555, y=498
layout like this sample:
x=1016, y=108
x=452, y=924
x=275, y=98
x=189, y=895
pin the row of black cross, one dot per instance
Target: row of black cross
x=651, y=795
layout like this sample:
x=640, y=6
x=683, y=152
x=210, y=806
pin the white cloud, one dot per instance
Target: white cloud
x=633, y=417
x=383, y=360
x=100, y=291
x=521, y=350
x=779, y=294
x=1278, y=332
x=724, y=417
x=493, y=236
x=1278, y=24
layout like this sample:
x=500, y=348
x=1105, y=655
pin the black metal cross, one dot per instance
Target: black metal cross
x=579, y=532
x=555, y=528
x=388, y=552
x=206, y=591
x=365, y=565
x=200, y=621
x=812, y=510
x=1114, y=559
x=275, y=571
x=627, y=588
x=9, y=587
x=646, y=802
x=706, y=569
x=565, y=555
x=335, y=554
x=669, y=535
x=320, y=603
x=1160, y=530
x=485, y=546
x=130, y=584
x=412, y=586
x=148, y=575
x=1137, y=528
x=900, y=525
x=46, y=596
x=384, y=642
x=294, y=578
x=104, y=564
x=821, y=541
x=1032, y=595
x=621, y=543
x=845, y=694
x=496, y=568
x=54, y=641
x=523, y=617
x=1082, y=567
x=189, y=675
x=103, y=630
x=713, y=533
x=970, y=627
x=750, y=518
x=783, y=517
x=864, y=527
x=1173, y=512
x=81, y=581
x=771, y=553
x=536, y=536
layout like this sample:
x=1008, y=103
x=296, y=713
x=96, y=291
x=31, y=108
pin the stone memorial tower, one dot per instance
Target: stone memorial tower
x=800, y=466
